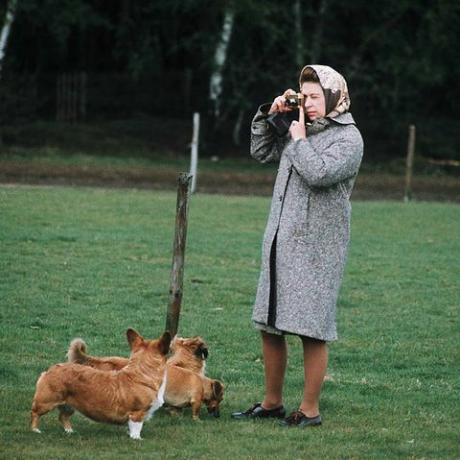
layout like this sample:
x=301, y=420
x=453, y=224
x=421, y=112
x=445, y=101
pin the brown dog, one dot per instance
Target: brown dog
x=186, y=388
x=130, y=395
x=189, y=353
x=186, y=384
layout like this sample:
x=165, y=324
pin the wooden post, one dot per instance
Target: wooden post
x=177, y=271
x=194, y=149
x=409, y=163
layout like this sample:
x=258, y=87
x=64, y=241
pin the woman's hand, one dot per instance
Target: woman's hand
x=298, y=129
x=279, y=103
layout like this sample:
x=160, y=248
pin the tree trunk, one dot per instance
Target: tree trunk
x=220, y=55
x=9, y=18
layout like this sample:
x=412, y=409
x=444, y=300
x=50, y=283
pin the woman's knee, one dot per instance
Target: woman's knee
x=274, y=339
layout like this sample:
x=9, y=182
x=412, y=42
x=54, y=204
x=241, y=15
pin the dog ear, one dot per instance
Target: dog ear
x=217, y=389
x=165, y=342
x=134, y=338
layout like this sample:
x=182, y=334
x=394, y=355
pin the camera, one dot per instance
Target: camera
x=294, y=100
x=280, y=122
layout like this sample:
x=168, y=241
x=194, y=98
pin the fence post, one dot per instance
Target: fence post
x=194, y=149
x=177, y=271
x=409, y=163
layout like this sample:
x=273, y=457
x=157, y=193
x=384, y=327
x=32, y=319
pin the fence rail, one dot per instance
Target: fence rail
x=77, y=96
x=71, y=93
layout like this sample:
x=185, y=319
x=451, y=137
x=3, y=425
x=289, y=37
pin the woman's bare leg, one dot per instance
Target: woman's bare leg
x=275, y=359
x=315, y=354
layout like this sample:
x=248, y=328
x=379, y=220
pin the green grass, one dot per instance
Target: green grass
x=51, y=156
x=93, y=262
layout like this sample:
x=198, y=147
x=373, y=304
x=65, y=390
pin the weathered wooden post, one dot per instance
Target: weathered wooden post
x=177, y=271
x=409, y=163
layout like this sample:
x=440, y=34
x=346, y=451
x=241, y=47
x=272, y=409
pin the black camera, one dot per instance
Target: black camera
x=280, y=122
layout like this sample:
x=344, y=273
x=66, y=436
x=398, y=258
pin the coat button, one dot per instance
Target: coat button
x=281, y=197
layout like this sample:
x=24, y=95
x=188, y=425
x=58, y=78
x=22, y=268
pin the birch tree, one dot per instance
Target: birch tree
x=220, y=56
x=9, y=18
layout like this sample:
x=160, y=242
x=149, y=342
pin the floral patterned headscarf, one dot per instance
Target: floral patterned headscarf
x=334, y=87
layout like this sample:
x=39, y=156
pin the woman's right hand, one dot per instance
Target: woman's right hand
x=279, y=103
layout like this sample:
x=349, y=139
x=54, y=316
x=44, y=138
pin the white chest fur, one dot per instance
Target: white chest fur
x=159, y=401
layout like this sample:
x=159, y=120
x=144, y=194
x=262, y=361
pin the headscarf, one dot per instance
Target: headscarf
x=334, y=87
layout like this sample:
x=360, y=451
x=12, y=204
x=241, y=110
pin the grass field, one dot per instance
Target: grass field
x=93, y=262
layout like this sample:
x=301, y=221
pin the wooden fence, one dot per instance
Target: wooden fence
x=71, y=96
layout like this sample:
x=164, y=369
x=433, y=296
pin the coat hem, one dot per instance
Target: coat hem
x=275, y=331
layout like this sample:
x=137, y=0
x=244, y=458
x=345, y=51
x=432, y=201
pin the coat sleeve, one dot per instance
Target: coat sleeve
x=336, y=162
x=265, y=145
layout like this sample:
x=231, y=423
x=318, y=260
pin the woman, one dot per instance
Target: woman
x=306, y=238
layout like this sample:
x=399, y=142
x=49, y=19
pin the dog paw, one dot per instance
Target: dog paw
x=136, y=437
x=36, y=430
x=68, y=430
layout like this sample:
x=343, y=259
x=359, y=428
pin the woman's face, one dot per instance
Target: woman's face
x=314, y=101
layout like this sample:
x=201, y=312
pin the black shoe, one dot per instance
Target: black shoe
x=298, y=418
x=257, y=411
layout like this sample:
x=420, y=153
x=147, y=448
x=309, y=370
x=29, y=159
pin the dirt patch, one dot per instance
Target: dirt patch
x=368, y=186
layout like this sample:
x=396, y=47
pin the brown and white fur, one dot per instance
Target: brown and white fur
x=130, y=395
x=186, y=384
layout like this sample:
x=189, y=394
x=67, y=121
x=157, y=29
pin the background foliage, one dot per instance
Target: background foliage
x=155, y=58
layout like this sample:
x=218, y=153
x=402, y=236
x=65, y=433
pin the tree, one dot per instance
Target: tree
x=9, y=18
x=233, y=55
x=220, y=56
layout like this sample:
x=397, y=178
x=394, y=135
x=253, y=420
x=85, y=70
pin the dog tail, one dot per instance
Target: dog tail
x=77, y=352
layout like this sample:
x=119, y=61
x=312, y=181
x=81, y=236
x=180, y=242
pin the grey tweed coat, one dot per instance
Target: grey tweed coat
x=306, y=238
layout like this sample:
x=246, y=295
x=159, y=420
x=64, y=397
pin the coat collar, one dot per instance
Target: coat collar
x=344, y=119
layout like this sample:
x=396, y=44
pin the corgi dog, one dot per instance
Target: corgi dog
x=188, y=353
x=186, y=384
x=185, y=388
x=130, y=395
